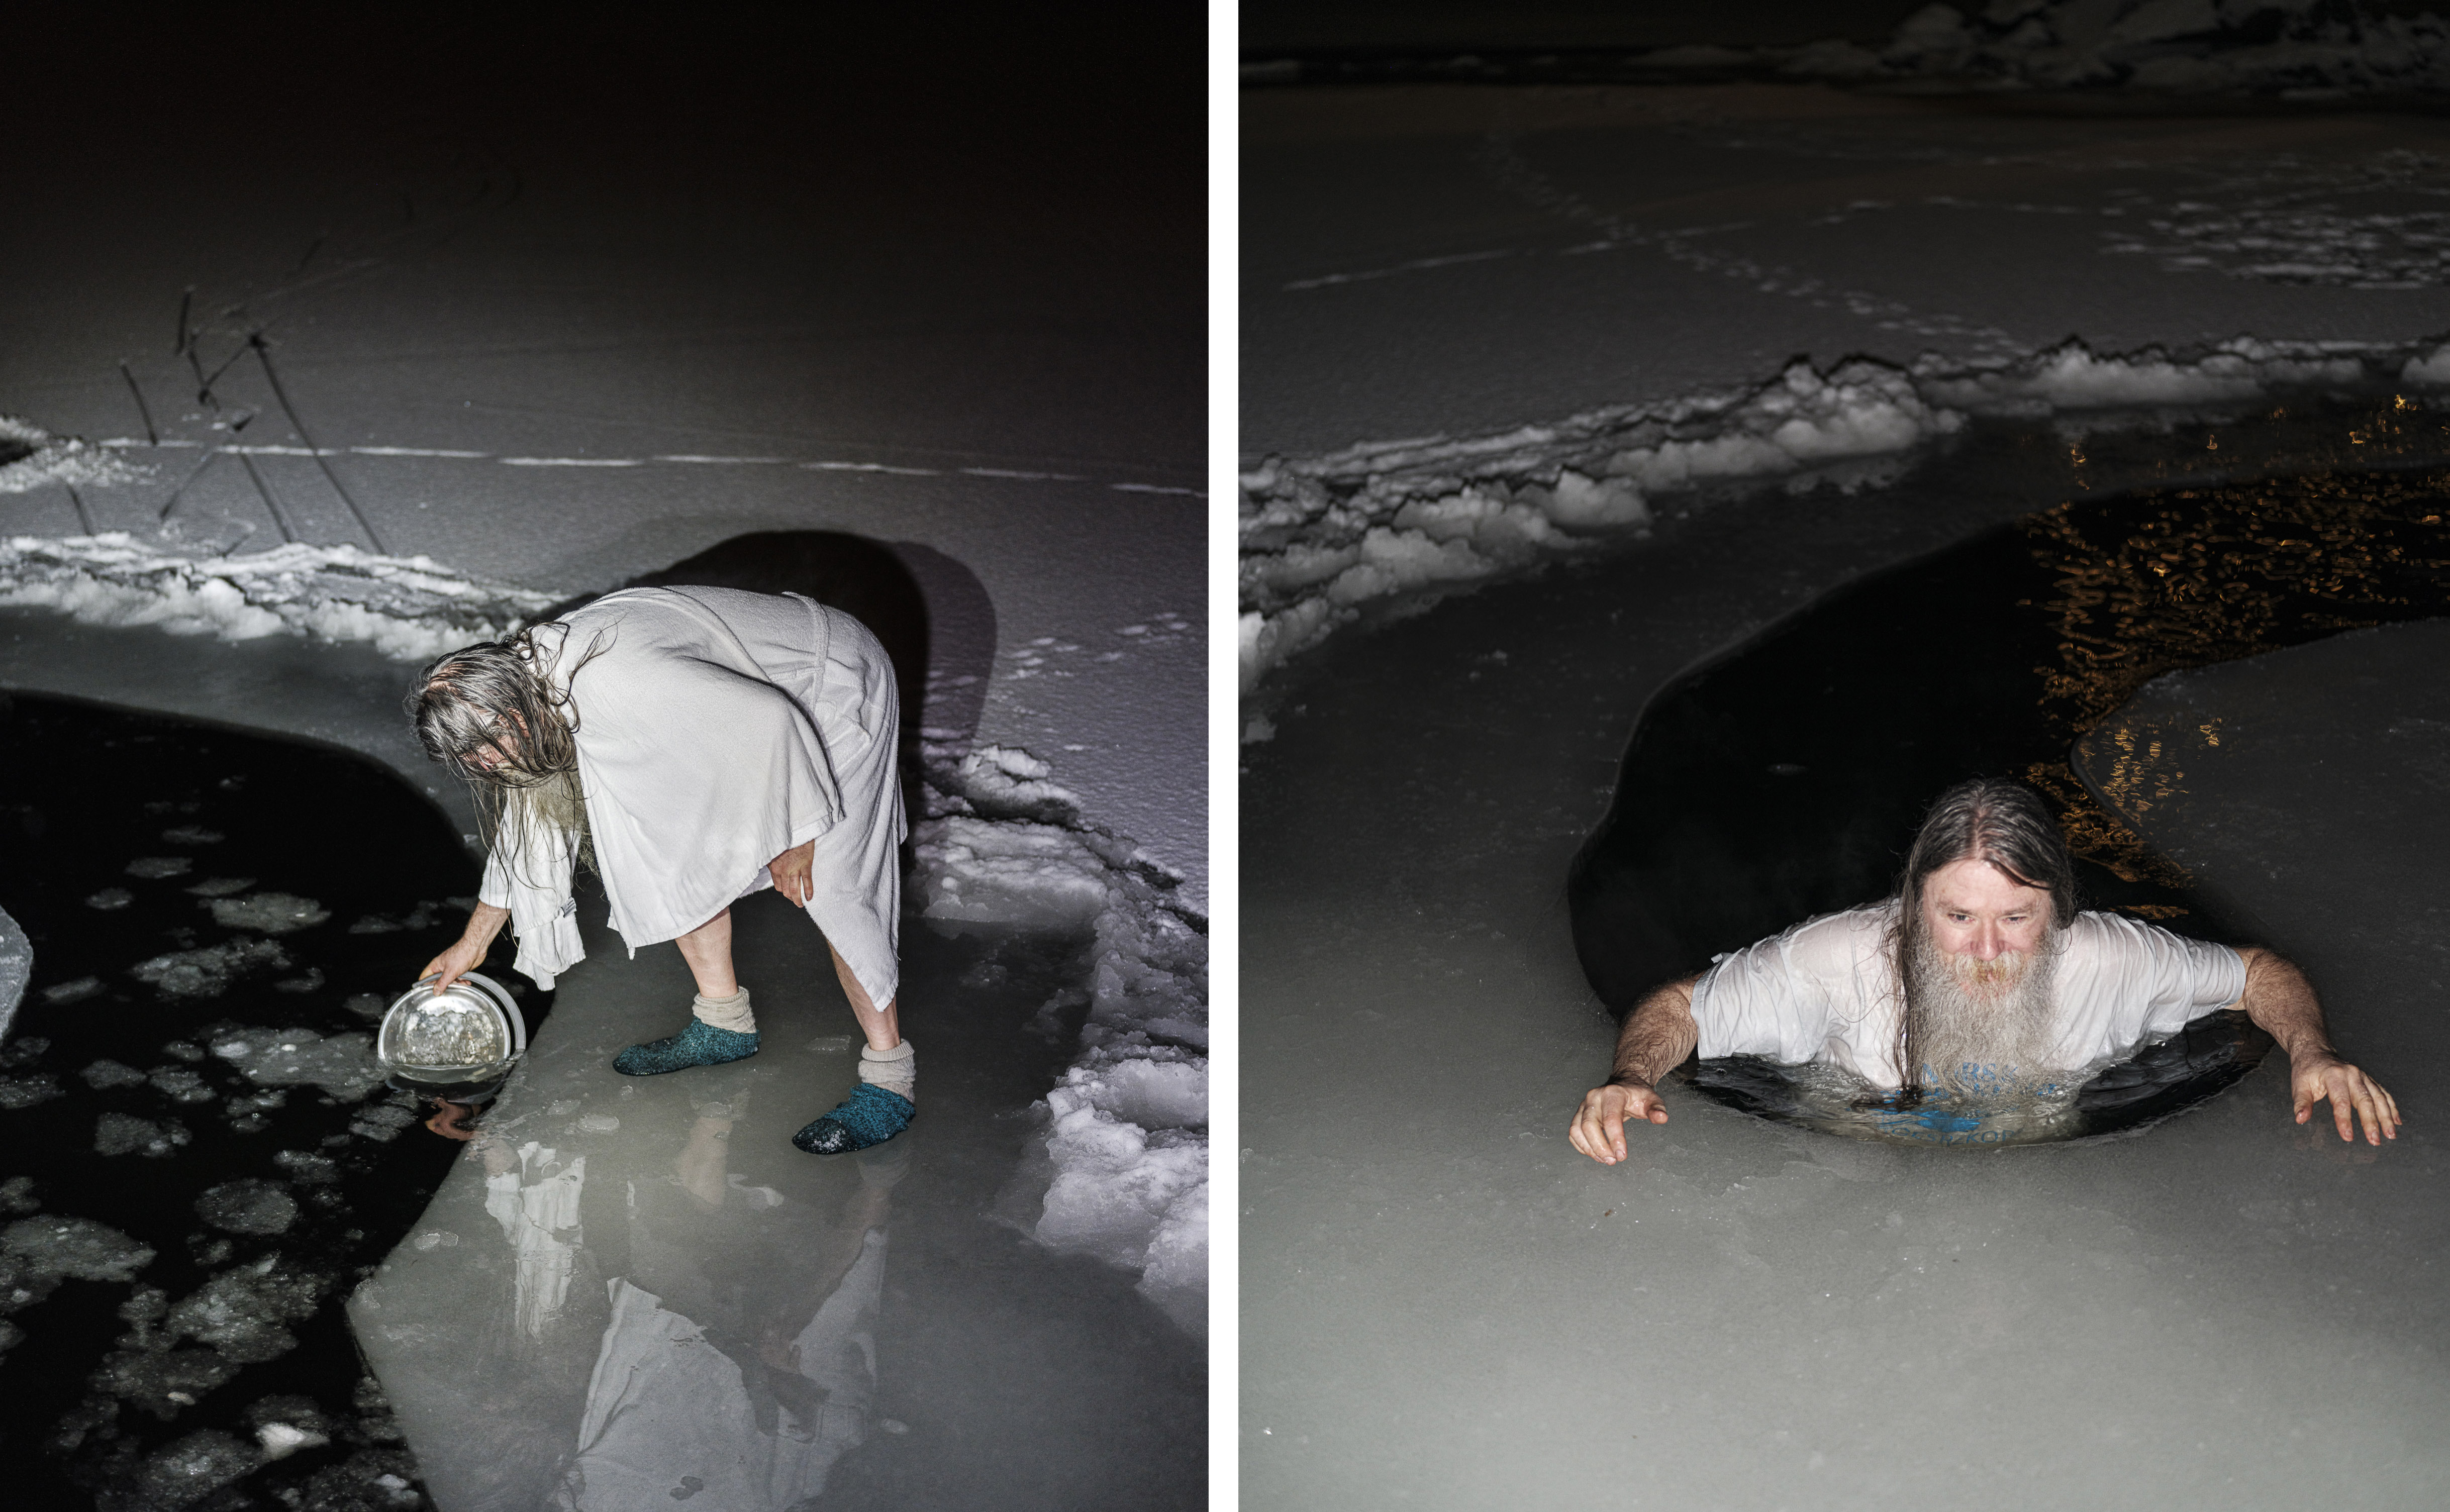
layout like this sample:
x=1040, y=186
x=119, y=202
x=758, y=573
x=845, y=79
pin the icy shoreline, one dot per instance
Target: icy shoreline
x=1379, y=523
x=1002, y=843
x=1123, y=1134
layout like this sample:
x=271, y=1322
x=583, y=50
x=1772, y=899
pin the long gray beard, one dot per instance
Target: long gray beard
x=1980, y=1038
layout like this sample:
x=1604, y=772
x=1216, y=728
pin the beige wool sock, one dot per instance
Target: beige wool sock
x=895, y=1070
x=731, y=1013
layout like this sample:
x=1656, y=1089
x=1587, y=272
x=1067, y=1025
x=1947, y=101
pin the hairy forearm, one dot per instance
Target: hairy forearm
x=484, y=922
x=2281, y=1002
x=1658, y=1035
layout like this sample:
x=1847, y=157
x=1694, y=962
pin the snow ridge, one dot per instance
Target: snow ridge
x=411, y=608
x=1122, y=1136
x=31, y=458
x=1388, y=522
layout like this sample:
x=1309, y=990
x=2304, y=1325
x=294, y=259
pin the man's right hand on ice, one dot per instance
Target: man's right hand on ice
x=1598, y=1129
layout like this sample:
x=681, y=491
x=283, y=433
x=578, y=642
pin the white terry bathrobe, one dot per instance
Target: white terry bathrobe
x=717, y=730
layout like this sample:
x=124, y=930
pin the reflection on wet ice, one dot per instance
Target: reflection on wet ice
x=536, y=1200
x=726, y=1329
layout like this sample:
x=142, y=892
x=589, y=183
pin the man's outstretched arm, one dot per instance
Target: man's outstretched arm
x=1658, y=1035
x=2279, y=999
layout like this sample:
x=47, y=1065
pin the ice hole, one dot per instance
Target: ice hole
x=208, y=1096
x=1787, y=778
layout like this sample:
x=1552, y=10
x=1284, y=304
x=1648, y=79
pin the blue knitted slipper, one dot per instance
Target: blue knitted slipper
x=700, y=1044
x=870, y=1117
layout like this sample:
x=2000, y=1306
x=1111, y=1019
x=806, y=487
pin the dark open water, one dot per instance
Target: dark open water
x=217, y=921
x=1787, y=778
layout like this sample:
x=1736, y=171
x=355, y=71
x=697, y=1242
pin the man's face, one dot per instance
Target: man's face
x=1988, y=924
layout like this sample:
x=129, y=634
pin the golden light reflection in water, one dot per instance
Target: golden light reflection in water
x=2213, y=575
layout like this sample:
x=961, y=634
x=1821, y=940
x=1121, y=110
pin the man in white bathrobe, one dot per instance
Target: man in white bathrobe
x=694, y=745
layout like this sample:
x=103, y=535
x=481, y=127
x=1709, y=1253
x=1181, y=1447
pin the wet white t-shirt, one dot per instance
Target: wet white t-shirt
x=1827, y=990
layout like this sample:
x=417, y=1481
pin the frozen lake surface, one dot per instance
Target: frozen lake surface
x=631, y=1287
x=1446, y=1307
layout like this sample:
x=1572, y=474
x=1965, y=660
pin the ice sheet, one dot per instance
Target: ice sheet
x=1445, y=1307
x=1322, y=538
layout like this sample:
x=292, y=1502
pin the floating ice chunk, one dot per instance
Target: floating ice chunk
x=163, y=1381
x=193, y=835
x=79, y=1249
x=185, y=1472
x=24, y=1092
x=271, y=912
x=248, y=1204
x=311, y=981
x=307, y=1168
x=111, y=899
x=17, y=1195
x=383, y=1121
x=119, y=1134
x=107, y=1074
x=342, y=1064
x=222, y=886
x=242, y=1312
x=180, y=1085
x=435, y=1238
x=77, y=991
x=206, y=972
x=281, y=1440
x=599, y=1123
x=153, y=868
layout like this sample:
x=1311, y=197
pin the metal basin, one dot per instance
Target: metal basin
x=468, y=1036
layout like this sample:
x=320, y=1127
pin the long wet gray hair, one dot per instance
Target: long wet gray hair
x=1989, y=819
x=496, y=695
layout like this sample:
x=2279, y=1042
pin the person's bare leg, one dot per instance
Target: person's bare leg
x=887, y=1066
x=708, y=950
x=721, y=1026
x=883, y=1026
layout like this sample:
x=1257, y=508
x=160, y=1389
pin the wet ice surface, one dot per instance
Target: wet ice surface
x=634, y=1289
x=1456, y=1311
x=202, y=1157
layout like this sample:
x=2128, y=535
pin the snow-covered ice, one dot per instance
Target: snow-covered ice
x=1440, y=1302
x=411, y=609
x=1323, y=537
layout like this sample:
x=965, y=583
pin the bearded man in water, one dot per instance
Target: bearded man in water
x=1979, y=974
x=693, y=745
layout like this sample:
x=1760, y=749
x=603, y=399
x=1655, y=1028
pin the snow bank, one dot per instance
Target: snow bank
x=1321, y=536
x=1123, y=1134
x=2295, y=49
x=410, y=608
x=31, y=458
x=1389, y=523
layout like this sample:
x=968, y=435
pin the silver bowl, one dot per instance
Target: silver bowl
x=469, y=1034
